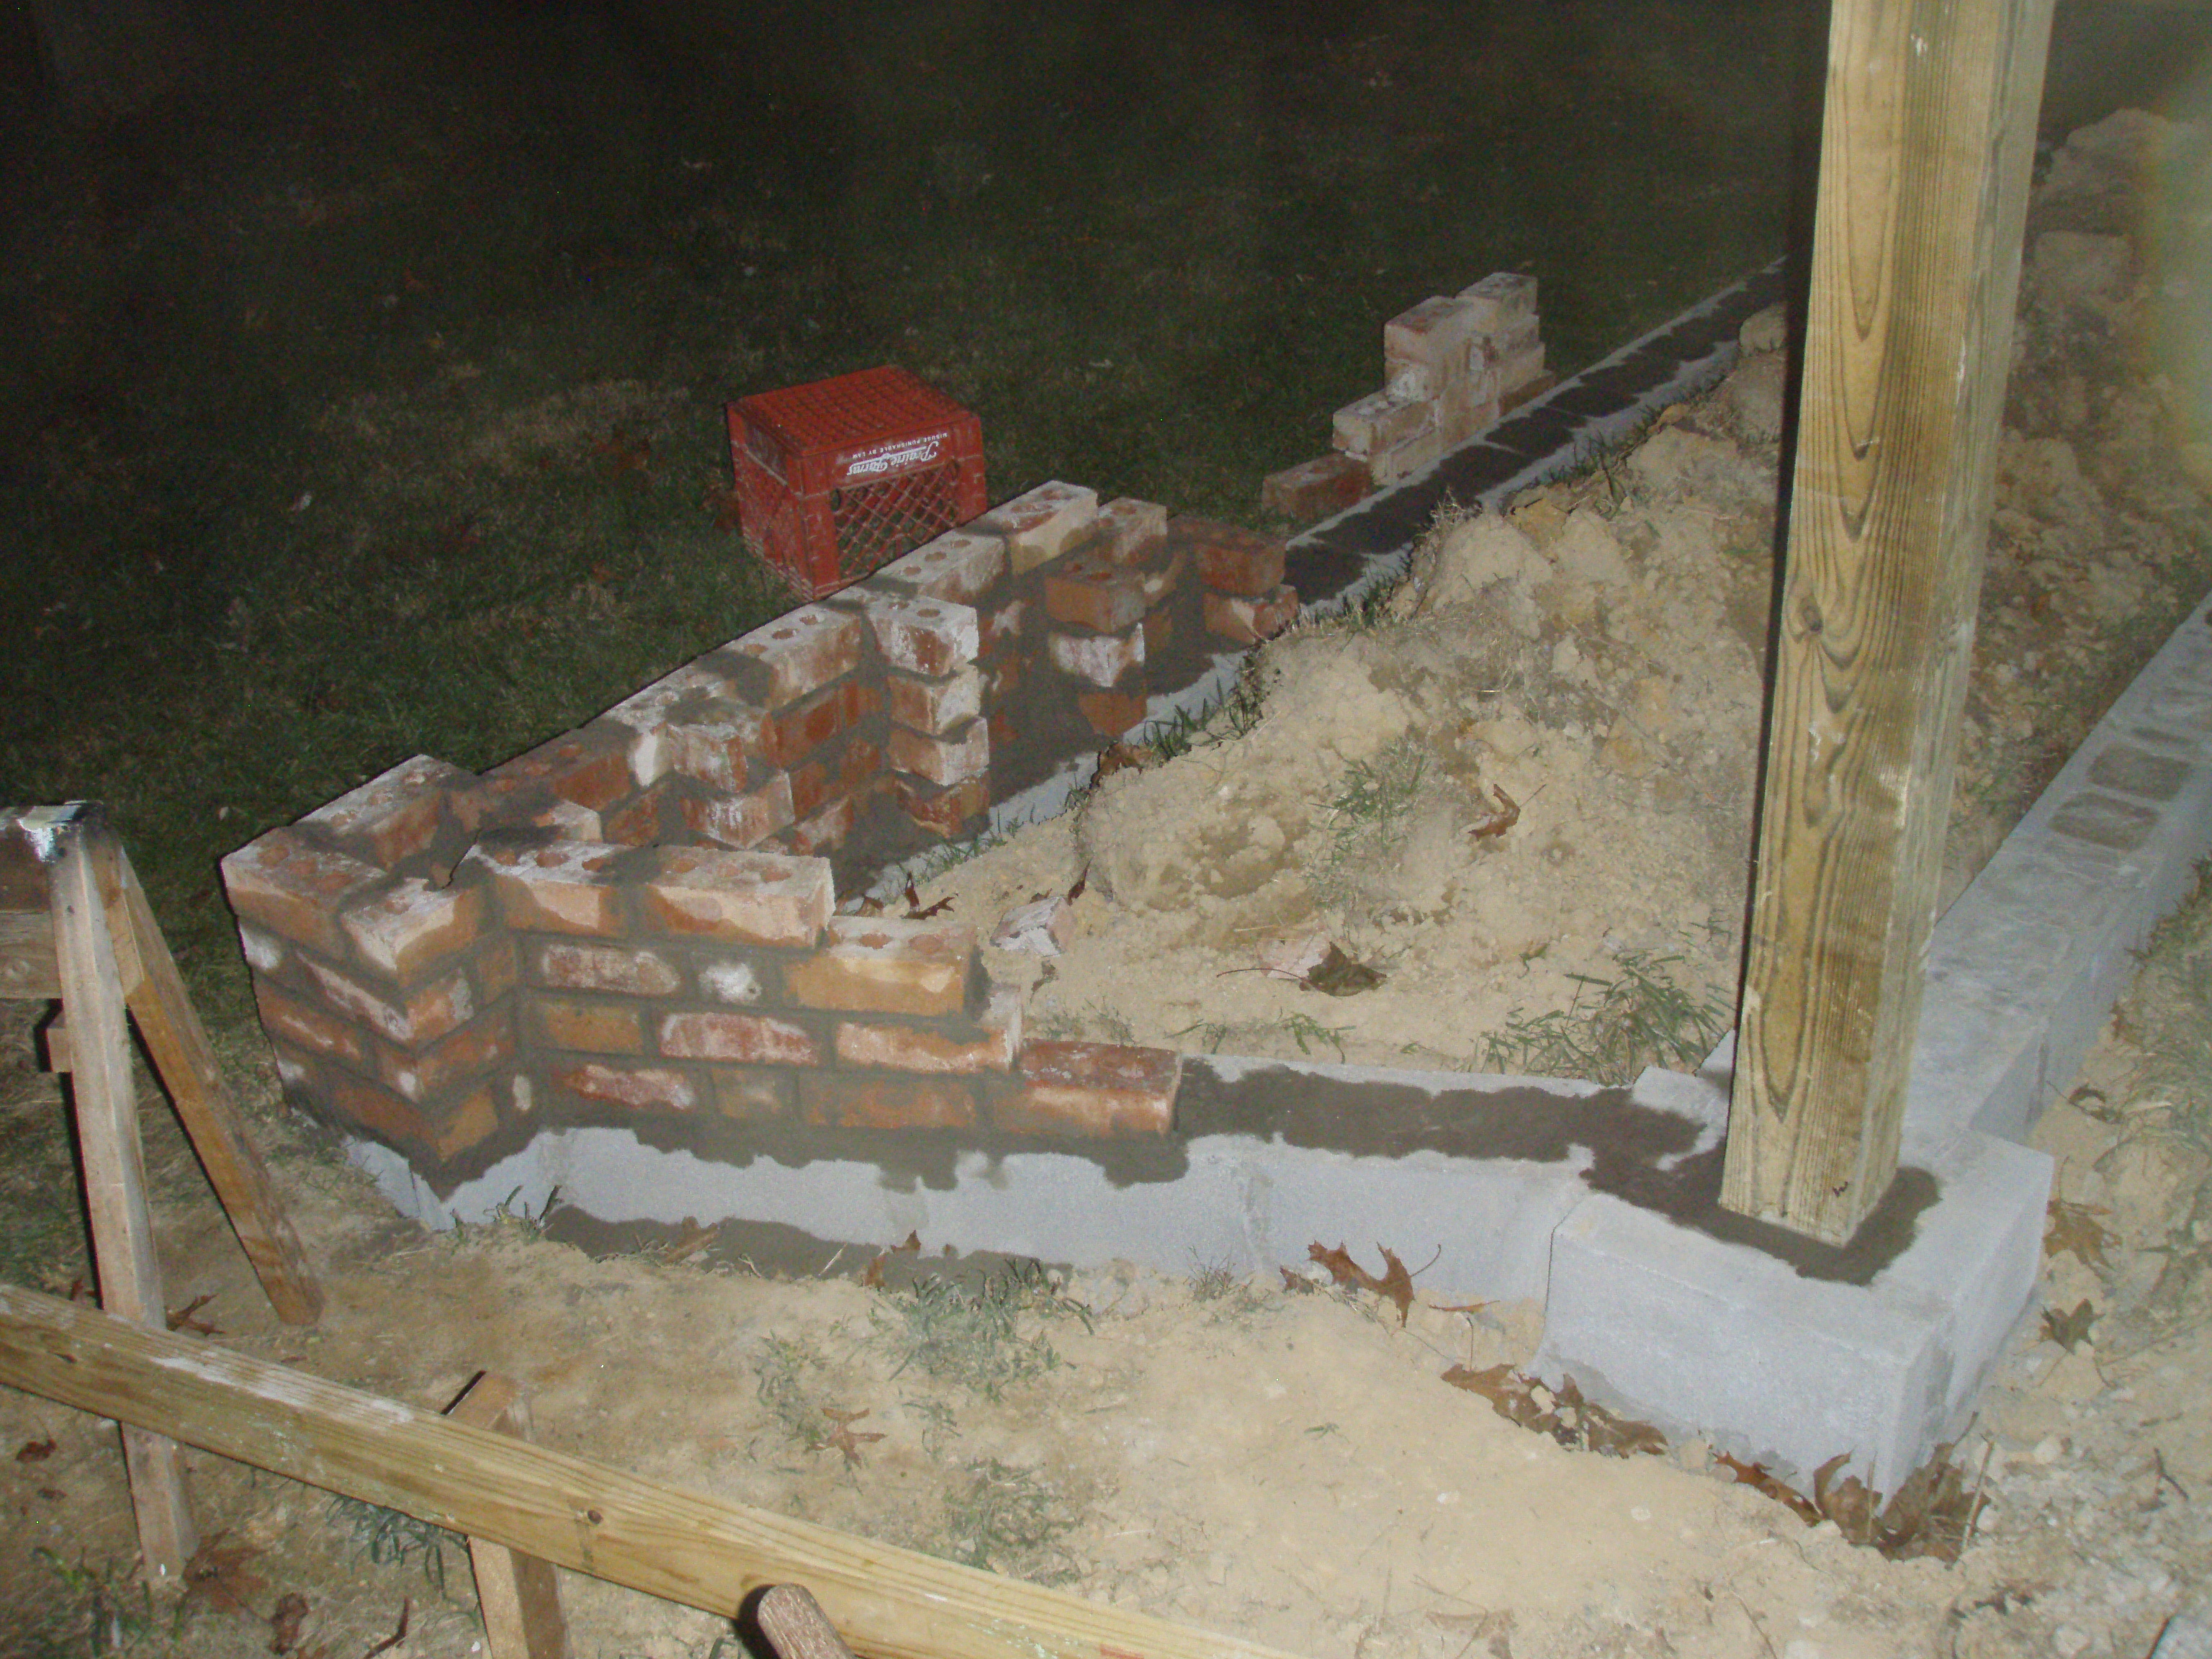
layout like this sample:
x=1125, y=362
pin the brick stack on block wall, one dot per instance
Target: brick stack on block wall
x=635, y=922
x=1451, y=366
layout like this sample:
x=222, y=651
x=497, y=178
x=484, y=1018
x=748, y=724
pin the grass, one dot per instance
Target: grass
x=1615, y=1028
x=1004, y=1519
x=387, y=1537
x=96, y=1609
x=1366, y=818
x=1310, y=1036
x=986, y=1337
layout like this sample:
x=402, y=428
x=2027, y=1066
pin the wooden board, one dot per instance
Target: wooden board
x=888, y=1603
x=517, y=1594
x=1928, y=130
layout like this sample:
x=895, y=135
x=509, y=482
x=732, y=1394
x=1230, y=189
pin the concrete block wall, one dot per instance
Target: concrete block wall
x=635, y=922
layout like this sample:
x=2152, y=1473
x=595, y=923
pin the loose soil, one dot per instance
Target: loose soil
x=1280, y=1459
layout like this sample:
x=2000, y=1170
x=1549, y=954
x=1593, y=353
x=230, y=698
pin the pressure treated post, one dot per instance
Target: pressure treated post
x=1928, y=134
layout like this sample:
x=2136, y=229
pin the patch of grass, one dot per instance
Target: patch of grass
x=1310, y=1036
x=985, y=1338
x=1615, y=1028
x=1006, y=1519
x=779, y=1383
x=388, y=1537
x=1366, y=818
x=95, y=1609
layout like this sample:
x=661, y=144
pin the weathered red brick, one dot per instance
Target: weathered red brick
x=412, y=926
x=494, y=970
x=1466, y=409
x=1399, y=460
x=756, y=1039
x=1038, y=526
x=480, y=1046
x=879, y=964
x=378, y=1109
x=1378, y=421
x=615, y=967
x=1094, y=1089
x=1098, y=658
x=798, y=653
x=953, y=758
x=701, y=693
x=1527, y=388
x=715, y=751
x=828, y=826
x=761, y=898
x=645, y=819
x=836, y=769
x=308, y=1027
x=1006, y=679
x=733, y=976
x=1111, y=712
x=916, y=636
x=752, y=1096
x=846, y=1100
x=420, y=1015
x=987, y=1044
x=395, y=814
x=961, y=565
x=467, y=1122
x=944, y=812
x=607, y=1026
x=1130, y=531
x=563, y=887
x=1159, y=631
x=1501, y=299
x=1248, y=622
x=590, y=767
x=1232, y=559
x=790, y=734
x=742, y=821
x=938, y=703
x=1002, y=626
x=295, y=889
x=639, y=1087
x=1089, y=589
x=1314, y=489
x=1425, y=350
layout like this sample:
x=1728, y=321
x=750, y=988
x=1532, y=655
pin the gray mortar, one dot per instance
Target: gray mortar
x=1656, y=1304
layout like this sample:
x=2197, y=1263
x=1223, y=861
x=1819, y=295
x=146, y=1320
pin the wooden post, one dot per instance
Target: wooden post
x=115, y=1176
x=796, y=1627
x=888, y=1602
x=1929, y=131
x=517, y=1594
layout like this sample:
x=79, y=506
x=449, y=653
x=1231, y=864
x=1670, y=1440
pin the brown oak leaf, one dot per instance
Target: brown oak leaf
x=2074, y=1227
x=2070, y=1330
x=844, y=1437
x=1395, y=1285
x=217, y=1576
x=35, y=1451
x=285, y=1620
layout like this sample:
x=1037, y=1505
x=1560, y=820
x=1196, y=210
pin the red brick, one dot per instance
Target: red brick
x=604, y=967
x=827, y=826
x=422, y=1015
x=700, y=693
x=1232, y=559
x=475, y=1047
x=1377, y=421
x=395, y=814
x=798, y=653
x=989, y=1045
x=606, y=1027
x=1312, y=490
x=1129, y=530
x=1159, y=632
x=761, y=898
x=1093, y=1089
x=1425, y=350
x=1098, y=658
x=936, y=704
x=879, y=964
x=1006, y=679
x=1527, y=391
x=961, y=565
x=1002, y=626
x=716, y=751
x=1393, y=462
x=839, y=768
x=942, y=811
x=791, y=734
x=1002, y=725
x=742, y=821
x=733, y=977
x=294, y=889
x=1111, y=712
x=1248, y=622
x=378, y=1110
x=918, y=635
x=563, y=887
x=308, y=1028
x=495, y=971
x=1088, y=590
x=756, y=1039
x=953, y=758
x=1038, y=526
x=639, y=1087
x=467, y=1123
x=833, y=1100
x=752, y=1096
x=1467, y=409
x=1501, y=299
x=413, y=926
x=590, y=767
x=643, y=820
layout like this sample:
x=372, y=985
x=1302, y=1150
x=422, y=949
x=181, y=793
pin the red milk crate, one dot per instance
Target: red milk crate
x=839, y=476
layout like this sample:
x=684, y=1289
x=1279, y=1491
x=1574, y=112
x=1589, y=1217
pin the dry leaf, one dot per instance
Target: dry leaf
x=397, y=1637
x=182, y=1319
x=1755, y=1476
x=1339, y=975
x=35, y=1451
x=217, y=1575
x=284, y=1621
x=2069, y=1330
x=690, y=1239
x=844, y=1436
x=1081, y=881
x=1396, y=1284
x=1496, y=822
x=2074, y=1227
x=725, y=505
x=871, y=1276
x=1297, y=1284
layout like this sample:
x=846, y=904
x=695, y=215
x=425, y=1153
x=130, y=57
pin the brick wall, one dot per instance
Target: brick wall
x=635, y=922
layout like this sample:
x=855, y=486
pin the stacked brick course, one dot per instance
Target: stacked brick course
x=1451, y=366
x=635, y=922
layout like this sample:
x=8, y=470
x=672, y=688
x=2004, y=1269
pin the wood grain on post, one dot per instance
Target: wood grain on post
x=888, y=1603
x=106, y=1103
x=1928, y=130
x=517, y=1594
x=796, y=1627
